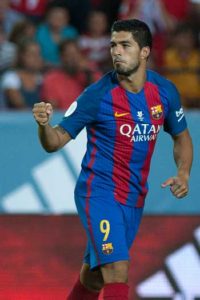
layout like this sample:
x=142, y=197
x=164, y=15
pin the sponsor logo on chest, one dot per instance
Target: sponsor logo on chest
x=140, y=132
x=136, y=129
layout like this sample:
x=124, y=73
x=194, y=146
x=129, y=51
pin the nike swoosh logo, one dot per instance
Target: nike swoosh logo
x=117, y=115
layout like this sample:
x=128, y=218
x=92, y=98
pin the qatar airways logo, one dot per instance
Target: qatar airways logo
x=140, y=132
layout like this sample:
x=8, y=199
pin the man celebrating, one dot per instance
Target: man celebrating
x=123, y=113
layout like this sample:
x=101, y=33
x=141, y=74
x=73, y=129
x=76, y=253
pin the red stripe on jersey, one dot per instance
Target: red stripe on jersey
x=156, y=108
x=89, y=189
x=123, y=147
x=153, y=101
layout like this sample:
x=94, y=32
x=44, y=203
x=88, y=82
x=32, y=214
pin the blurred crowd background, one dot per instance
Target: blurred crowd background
x=50, y=50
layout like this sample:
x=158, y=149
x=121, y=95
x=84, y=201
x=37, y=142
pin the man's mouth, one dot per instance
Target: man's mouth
x=118, y=61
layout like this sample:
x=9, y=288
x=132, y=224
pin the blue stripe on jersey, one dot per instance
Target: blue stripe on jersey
x=82, y=182
x=103, y=164
x=138, y=104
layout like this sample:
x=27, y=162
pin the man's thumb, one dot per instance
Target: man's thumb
x=168, y=182
x=49, y=109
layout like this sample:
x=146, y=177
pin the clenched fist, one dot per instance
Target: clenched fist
x=42, y=112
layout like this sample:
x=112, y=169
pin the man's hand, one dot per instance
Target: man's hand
x=178, y=186
x=42, y=112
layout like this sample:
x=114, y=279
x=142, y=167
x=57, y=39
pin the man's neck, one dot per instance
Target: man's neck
x=133, y=83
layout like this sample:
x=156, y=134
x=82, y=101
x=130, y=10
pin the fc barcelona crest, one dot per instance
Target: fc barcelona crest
x=156, y=112
x=107, y=248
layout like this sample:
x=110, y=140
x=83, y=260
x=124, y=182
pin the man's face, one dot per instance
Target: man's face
x=125, y=53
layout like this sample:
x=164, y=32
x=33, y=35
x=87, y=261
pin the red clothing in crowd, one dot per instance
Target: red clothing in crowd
x=66, y=89
x=30, y=7
x=178, y=9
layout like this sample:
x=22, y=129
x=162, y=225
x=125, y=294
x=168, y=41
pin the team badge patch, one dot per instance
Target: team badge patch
x=71, y=109
x=156, y=112
x=107, y=248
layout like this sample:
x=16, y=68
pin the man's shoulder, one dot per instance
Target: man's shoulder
x=103, y=85
x=159, y=80
x=156, y=78
x=163, y=84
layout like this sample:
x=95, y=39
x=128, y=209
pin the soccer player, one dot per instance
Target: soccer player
x=123, y=113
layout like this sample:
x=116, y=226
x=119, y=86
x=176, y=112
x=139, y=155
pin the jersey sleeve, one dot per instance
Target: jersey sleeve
x=81, y=113
x=175, y=121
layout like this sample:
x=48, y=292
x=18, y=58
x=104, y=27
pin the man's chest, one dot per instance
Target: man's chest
x=130, y=117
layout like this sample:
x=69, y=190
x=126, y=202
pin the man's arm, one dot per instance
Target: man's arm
x=51, y=138
x=183, y=156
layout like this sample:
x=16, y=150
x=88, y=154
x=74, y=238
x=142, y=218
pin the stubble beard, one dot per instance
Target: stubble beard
x=127, y=71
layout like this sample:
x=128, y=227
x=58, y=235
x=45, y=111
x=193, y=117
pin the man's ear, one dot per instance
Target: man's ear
x=145, y=52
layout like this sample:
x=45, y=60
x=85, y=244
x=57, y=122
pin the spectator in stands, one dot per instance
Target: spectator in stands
x=95, y=43
x=110, y=8
x=53, y=31
x=22, y=86
x=7, y=52
x=182, y=65
x=8, y=17
x=71, y=78
x=22, y=31
x=78, y=10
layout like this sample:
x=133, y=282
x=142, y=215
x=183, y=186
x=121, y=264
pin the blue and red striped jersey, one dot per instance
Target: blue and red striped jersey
x=122, y=128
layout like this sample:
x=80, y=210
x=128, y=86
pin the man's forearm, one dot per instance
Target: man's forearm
x=183, y=153
x=49, y=138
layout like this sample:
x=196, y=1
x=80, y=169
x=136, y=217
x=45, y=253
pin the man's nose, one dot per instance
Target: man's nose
x=117, y=51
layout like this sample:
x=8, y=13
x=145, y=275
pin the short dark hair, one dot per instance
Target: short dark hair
x=140, y=31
